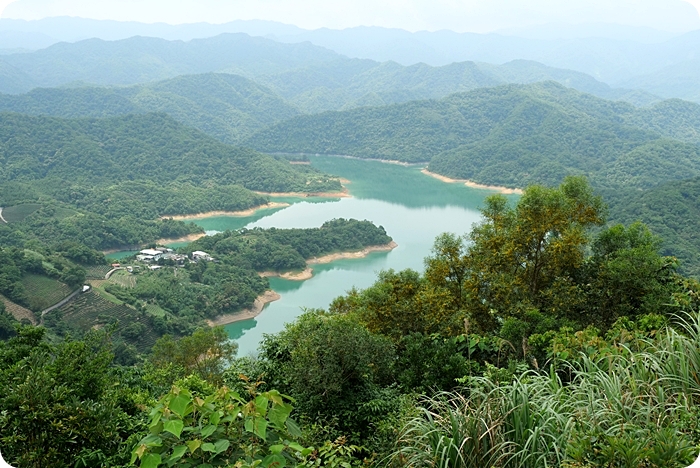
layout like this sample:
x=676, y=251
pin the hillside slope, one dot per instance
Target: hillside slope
x=510, y=135
x=228, y=107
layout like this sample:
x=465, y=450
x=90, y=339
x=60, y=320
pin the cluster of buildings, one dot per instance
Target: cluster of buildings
x=154, y=255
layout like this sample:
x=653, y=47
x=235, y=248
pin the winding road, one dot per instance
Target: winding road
x=1, y=218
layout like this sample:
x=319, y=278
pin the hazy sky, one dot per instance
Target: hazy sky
x=413, y=15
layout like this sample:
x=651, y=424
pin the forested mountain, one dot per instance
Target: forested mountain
x=679, y=80
x=143, y=59
x=509, y=135
x=311, y=78
x=228, y=107
x=122, y=173
x=352, y=83
x=648, y=60
x=672, y=211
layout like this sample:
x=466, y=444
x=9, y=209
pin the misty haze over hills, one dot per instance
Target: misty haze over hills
x=658, y=62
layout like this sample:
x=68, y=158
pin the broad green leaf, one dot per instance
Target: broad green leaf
x=276, y=397
x=214, y=418
x=179, y=405
x=276, y=448
x=178, y=452
x=207, y=431
x=295, y=446
x=307, y=451
x=152, y=440
x=279, y=414
x=293, y=428
x=274, y=461
x=261, y=404
x=156, y=428
x=174, y=426
x=208, y=447
x=150, y=460
x=257, y=426
x=221, y=446
x=193, y=445
x=156, y=419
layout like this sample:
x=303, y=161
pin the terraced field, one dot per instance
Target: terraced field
x=17, y=311
x=15, y=214
x=97, y=271
x=90, y=311
x=155, y=310
x=43, y=291
x=123, y=278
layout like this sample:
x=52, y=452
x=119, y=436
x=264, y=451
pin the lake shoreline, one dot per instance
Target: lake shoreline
x=342, y=194
x=246, y=314
x=471, y=184
x=308, y=273
x=347, y=156
x=241, y=213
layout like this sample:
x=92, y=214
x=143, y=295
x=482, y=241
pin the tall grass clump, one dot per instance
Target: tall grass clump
x=636, y=407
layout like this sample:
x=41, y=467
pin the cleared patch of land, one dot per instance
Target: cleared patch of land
x=91, y=310
x=342, y=194
x=258, y=305
x=43, y=292
x=469, y=183
x=209, y=214
x=17, y=311
x=290, y=275
x=17, y=213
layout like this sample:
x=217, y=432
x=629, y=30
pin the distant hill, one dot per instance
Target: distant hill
x=106, y=182
x=608, y=52
x=142, y=59
x=226, y=106
x=680, y=80
x=346, y=84
x=152, y=147
x=672, y=211
x=509, y=135
x=310, y=78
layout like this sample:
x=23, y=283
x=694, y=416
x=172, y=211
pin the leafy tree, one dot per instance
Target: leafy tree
x=527, y=256
x=220, y=428
x=626, y=275
x=59, y=401
x=334, y=368
x=205, y=353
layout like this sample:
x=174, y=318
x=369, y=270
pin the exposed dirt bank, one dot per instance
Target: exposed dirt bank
x=469, y=183
x=209, y=214
x=308, y=272
x=246, y=314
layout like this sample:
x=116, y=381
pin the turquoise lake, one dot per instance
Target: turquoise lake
x=413, y=208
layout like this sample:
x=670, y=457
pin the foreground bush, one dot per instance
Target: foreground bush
x=632, y=409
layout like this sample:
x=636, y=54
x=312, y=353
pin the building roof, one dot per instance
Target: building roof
x=150, y=252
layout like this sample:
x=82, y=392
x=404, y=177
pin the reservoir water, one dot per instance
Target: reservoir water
x=413, y=208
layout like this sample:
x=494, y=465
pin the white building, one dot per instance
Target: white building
x=199, y=255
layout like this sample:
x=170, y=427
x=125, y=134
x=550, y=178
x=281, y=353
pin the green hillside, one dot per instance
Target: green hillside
x=672, y=211
x=346, y=84
x=122, y=173
x=225, y=106
x=152, y=147
x=509, y=135
x=146, y=59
